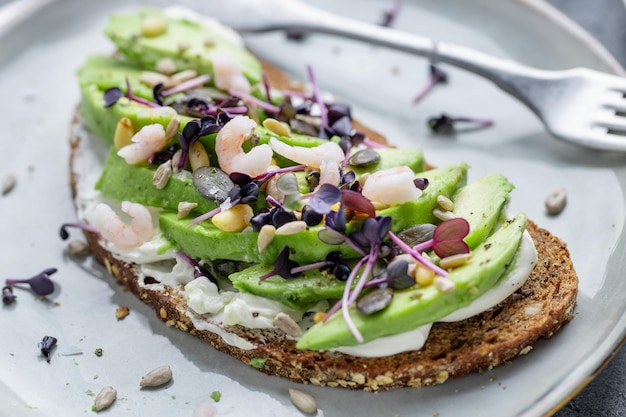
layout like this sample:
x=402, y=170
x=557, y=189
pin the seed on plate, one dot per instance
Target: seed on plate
x=153, y=26
x=288, y=325
x=172, y=128
x=8, y=184
x=185, y=207
x=162, y=175
x=184, y=75
x=152, y=78
x=454, y=261
x=78, y=248
x=157, y=377
x=274, y=126
x=445, y=203
x=364, y=157
x=104, y=399
x=266, y=235
x=121, y=312
x=555, y=201
x=124, y=131
x=166, y=66
x=303, y=401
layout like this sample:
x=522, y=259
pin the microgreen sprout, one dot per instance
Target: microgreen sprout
x=437, y=76
x=114, y=94
x=198, y=269
x=283, y=266
x=46, y=346
x=317, y=96
x=84, y=226
x=7, y=295
x=447, y=125
x=390, y=15
x=195, y=82
x=197, y=128
x=249, y=99
x=41, y=284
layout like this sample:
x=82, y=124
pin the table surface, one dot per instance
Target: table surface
x=606, y=395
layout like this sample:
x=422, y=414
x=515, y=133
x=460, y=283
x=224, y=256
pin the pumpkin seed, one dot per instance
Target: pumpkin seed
x=364, y=158
x=375, y=301
x=212, y=183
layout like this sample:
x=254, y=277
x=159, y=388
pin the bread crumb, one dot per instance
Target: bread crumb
x=121, y=312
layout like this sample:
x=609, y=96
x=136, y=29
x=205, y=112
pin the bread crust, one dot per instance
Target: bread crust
x=538, y=309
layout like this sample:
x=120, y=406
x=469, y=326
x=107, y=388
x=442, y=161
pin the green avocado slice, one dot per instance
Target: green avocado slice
x=417, y=306
x=191, y=45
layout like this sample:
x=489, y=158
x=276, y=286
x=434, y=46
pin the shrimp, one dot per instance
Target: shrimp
x=391, y=186
x=228, y=74
x=124, y=235
x=312, y=157
x=148, y=141
x=329, y=172
x=231, y=156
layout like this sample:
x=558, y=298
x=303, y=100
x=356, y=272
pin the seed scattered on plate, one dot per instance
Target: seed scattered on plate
x=78, y=248
x=303, y=401
x=555, y=201
x=8, y=184
x=104, y=399
x=157, y=377
x=121, y=312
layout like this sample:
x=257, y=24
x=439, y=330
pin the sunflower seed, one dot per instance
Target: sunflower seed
x=555, y=201
x=185, y=207
x=104, y=399
x=162, y=175
x=78, y=248
x=303, y=401
x=157, y=377
x=285, y=323
x=8, y=184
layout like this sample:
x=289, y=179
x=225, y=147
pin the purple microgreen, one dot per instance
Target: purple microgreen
x=246, y=194
x=46, y=346
x=372, y=144
x=348, y=177
x=437, y=76
x=269, y=174
x=266, y=87
x=311, y=217
x=198, y=269
x=318, y=96
x=448, y=237
x=282, y=266
x=280, y=217
x=249, y=99
x=195, y=82
x=240, y=178
x=324, y=198
x=390, y=15
x=287, y=184
x=416, y=254
x=356, y=201
x=84, y=226
x=447, y=125
x=140, y=100
x=157, y=93
x=314, y=265
x=7, y=295
x=421, y=183
x=41, y=284
x=226, y=204
x=112, y=96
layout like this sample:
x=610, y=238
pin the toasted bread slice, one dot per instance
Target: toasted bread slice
x=538, y=309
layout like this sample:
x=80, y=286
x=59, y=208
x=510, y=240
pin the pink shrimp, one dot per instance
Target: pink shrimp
x=228, y=74
x=391, y=186
x=230, y=154
x=312, y=157
x=148, y=141
x=124, y=235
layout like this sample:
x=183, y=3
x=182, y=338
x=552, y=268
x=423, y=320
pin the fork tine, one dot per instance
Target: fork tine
x=611, y=122
x=615, y=103
x=606, y=140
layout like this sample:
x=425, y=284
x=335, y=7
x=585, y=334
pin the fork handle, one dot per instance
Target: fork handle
x=507, y=74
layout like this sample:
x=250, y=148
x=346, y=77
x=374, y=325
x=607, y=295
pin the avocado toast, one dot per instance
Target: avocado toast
x=343, y=229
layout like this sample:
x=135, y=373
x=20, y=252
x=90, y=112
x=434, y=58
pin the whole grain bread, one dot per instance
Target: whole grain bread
x=538, y=309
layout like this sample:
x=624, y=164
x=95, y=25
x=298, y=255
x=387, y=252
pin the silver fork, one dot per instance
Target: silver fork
x=579, y=105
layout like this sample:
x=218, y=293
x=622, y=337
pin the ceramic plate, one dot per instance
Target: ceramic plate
x=40, y=50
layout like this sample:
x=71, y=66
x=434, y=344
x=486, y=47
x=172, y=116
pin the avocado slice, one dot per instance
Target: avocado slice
x=442, y=181
x=418, y=306
x=481, y=203
x=191, y=45
x=204, y=240
x=300, y=293
x=122, y=181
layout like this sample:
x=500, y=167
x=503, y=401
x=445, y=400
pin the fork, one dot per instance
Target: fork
x=578, y=105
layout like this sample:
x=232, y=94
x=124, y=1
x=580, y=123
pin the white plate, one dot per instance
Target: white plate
x=39, y=54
